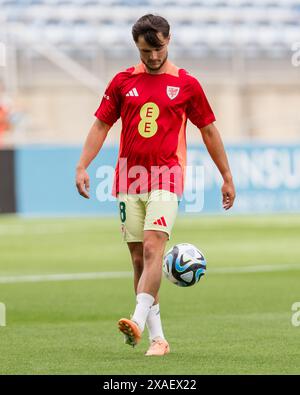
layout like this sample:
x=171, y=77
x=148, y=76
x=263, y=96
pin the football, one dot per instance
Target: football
x=184, y=265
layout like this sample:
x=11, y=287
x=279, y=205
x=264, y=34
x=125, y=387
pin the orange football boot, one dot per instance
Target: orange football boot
x=131, y=331
x=158, y=347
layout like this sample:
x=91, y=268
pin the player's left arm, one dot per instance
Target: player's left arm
x=215, y=147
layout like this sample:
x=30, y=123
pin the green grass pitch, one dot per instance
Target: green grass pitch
x=229, y=323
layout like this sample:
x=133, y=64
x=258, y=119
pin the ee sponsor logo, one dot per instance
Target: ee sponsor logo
x=149, y=114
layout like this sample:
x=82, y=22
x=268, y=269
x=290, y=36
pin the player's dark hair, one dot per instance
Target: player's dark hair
x=149, y=26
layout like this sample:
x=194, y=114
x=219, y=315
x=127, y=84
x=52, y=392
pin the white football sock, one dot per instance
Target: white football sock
x=154, y=323
x=142, y=309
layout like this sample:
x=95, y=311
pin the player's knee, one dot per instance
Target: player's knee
x=150, y=250
x=138, y=263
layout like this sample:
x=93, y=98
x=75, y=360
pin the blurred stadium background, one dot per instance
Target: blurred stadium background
x=59, y=56
x=56, y=57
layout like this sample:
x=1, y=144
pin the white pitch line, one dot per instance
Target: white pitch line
x=108, y=275
x=255, y=269
x=63, y=277
x=17, y=230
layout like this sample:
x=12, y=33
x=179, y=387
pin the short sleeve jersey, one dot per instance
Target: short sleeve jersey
x=154, y=109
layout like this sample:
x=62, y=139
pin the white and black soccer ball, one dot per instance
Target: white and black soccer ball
x=184, y=265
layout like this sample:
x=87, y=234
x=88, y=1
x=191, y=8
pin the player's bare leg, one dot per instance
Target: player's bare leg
x=153, y=250
x=154, y=242
x=153, y=321
x=136, y=252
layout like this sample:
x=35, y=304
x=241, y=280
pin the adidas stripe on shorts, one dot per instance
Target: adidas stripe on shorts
x=155, y=210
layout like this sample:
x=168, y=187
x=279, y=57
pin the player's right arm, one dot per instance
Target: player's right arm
x=107, y=114
x=92, y=146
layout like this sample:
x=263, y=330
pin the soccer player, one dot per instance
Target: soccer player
x=154, y=100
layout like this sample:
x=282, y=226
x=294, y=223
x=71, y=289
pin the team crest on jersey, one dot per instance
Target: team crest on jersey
x=172, y=91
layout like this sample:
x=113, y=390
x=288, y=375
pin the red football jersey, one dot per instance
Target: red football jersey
x=154, y=109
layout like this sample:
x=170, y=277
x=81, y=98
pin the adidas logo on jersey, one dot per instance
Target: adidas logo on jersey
x=132, y=92
x=161, y=221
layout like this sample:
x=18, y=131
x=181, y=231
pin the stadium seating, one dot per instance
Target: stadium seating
x=198, y=26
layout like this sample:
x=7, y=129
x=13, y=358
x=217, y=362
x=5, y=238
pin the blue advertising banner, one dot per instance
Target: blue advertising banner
x=267, y=180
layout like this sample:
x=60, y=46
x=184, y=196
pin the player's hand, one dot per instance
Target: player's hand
x=83, y=182
x=228, y=193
